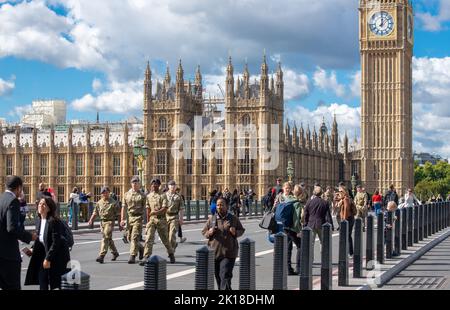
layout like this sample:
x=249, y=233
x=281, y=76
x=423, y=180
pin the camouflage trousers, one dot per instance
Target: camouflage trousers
x=172, y=229
x=160, y=225
x=134, y=227
x=107, y=228
x=362, y=214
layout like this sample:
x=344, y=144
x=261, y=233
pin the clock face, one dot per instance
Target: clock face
x=410, y=27
x=381, y=23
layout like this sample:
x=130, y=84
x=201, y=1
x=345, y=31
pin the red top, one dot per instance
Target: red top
x=377, y=198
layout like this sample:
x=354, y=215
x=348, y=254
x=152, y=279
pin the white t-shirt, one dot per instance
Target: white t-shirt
x=42, y=231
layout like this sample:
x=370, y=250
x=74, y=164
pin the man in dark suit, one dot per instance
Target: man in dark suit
x=11, y=231
x=317, y=212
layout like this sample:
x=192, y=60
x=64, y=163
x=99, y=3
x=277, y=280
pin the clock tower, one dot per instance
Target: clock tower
x=386, y=45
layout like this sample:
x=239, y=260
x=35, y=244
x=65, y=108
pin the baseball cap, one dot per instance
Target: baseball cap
x=156, y=181
x=104, y=189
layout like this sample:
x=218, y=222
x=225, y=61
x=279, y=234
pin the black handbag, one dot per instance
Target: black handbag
x=268, y=222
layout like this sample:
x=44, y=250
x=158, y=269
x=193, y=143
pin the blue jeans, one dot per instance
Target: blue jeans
x=377, y=207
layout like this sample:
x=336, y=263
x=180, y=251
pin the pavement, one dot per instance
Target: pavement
x=430, y=272
x=120, y=275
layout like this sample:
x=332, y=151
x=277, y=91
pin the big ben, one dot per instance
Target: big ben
x=386, y=45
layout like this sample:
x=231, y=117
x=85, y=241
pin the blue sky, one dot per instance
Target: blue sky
x=93, y=54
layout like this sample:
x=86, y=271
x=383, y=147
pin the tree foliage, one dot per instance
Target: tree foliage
x=432, y=180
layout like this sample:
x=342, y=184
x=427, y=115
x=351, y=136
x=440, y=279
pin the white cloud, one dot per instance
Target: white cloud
x=328, y=82
x=435, y=22
x=348, y=118
x=6, y=87
x=19, y=111
x=355, y=86
x=97, y=85
x=117, y=98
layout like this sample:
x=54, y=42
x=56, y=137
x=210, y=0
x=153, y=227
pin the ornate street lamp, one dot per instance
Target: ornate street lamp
x=290, y=170
x=140, y=152
x=353, y=181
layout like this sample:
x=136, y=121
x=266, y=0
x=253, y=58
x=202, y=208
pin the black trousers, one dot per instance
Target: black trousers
x=44, y=279
x=292, y=238
x=224, y=272
x=10, y=275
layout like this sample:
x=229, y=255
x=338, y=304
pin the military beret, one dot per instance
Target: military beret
x=104, y=189
x=172, y=183
x=135, y=180
x=156, y=181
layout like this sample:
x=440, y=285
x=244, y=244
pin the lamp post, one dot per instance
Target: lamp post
x=140, y=152
x=353, y=181
x=290, y=170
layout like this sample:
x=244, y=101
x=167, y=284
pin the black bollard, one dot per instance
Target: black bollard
x=425, y=221
x=380, y=238
x=358, y=250
x=416, y=225
x=247, y=267
x=197, y=210
x=75, y=215
x=306, y=275
x=280, y=262
x=389, y=234
x=441, y=226
x=433, y=227
x=155, y=274
x=404, y=221
x=409, y=212
x=343, y=254
x=75, y=280
x=398, y=232
x=188, y=210
x=421, y=223
x=429, y=220
x=326, y=271
x=204, y=269
x=370, y=243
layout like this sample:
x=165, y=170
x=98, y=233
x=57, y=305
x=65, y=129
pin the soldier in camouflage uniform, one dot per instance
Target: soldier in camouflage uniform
x=107, y=209
x=134, y=203
x=175, y=212
x=156, y=220
x=361, y=205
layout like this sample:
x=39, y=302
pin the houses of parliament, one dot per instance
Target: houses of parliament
x=92, y=155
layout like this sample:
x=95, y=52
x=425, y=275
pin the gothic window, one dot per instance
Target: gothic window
x=116, y=165
x=97, y=193
x=135, y=167
x=26, y=165
x=116, y=190
x=161, y=163
x=245, y=165
x=61, y=165
x=98, y=165
x=26, y=192
x=44, y=165
x=79, y=165
x=204, y=193
x=189, y=166
x=246, y=120
x=162, y=128
x=188, y=193
x=9, y=165
x=204, y=165
x=219, y=166
x=61, y=194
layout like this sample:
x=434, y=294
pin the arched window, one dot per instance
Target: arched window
x=246, y=120
x=162, y=124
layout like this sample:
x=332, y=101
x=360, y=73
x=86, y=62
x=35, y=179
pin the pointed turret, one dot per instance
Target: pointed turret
x=345, y=144
x=238, y=86
x=302, y=137
x=264, y=86
x=88, y=136
x=287, y=134
x=34, y=137
x=125, y=133
x=230, y=79
x=198, y=84
x=308, y=138
x=246, y=82
x=107, y=135
x=180, y=80
x=280, y=82
x=295, y=135
x=315, y=141
x=272, y=85
x=334, y=137
x=147, y=87
x=70, y=136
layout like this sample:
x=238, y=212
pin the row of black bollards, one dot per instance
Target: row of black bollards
x=404, y=228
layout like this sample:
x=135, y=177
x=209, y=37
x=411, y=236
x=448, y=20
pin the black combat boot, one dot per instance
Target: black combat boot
x=100, y=259
x=141, y=252
x=115, y=255
x=132, y=259
x=172, y=258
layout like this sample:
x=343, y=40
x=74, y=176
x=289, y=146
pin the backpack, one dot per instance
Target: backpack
x=268, y=222
x=284, y=213
x=67, y=235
